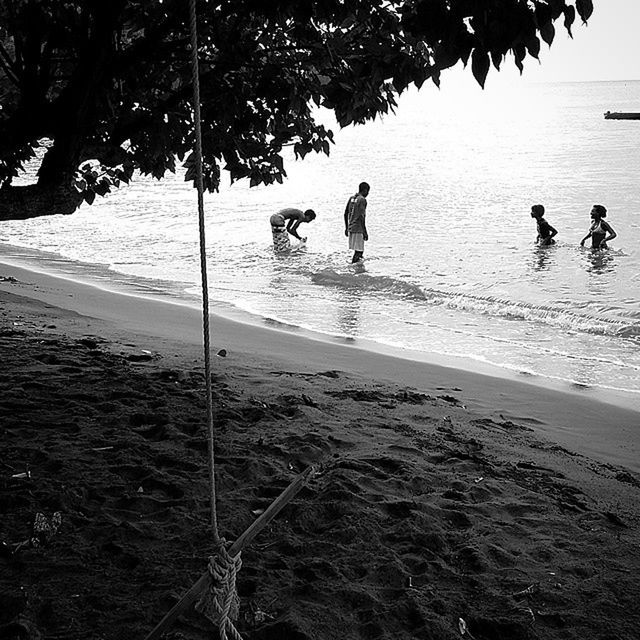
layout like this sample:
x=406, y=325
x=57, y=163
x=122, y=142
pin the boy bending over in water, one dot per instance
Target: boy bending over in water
x=286, y=222
x=545, y=230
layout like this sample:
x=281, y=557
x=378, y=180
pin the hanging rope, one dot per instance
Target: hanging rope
x=195, y=72
x=220, y=602
x=217, y=586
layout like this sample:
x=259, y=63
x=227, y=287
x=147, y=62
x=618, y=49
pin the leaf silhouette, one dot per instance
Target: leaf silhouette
x=480, y=65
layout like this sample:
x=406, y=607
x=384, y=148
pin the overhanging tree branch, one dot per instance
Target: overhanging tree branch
x=263, y=65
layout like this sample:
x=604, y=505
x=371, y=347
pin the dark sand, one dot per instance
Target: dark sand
x=440, y=495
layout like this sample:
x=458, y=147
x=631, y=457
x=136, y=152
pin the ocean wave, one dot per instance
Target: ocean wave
x=367, y=282
x=516, y=310
x=629, y=331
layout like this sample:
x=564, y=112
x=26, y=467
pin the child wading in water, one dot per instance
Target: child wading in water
x=599, y=229
x=545, y=230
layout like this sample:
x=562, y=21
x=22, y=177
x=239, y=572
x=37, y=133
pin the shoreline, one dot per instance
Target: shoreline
x=603, y=427
x=35, y=260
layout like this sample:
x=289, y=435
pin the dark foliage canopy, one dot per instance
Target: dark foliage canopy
x=110, y=82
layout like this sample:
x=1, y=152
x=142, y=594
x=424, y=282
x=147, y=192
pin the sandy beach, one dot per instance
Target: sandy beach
x=446, y=503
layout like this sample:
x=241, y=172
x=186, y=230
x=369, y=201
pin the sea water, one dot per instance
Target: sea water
x=451, y=266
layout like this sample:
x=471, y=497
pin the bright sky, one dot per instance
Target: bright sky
x=606, y=48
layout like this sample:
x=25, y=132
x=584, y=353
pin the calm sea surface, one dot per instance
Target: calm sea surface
x=451, y=266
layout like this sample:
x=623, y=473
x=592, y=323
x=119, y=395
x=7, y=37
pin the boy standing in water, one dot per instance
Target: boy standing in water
x=355, y=227
x=545, y=230
x=292, y=219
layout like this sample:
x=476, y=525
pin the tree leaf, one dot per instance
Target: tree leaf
x=480, y=63
x=548, y=32
x=519, y=53
x=533, y=46
x=569, y=18
x=584, y=9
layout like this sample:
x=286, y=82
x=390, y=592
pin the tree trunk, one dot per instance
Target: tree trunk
x=75, y=118
x=76, y=108
x=35, y=200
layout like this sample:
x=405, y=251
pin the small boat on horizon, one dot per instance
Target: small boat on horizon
x=621, y=115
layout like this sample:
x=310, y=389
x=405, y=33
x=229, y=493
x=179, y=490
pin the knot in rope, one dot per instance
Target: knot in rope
x=220, y=602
